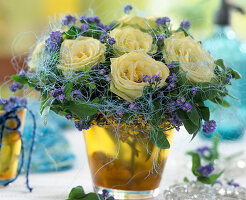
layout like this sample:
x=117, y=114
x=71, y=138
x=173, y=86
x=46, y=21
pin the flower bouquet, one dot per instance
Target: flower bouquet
x=129, y=85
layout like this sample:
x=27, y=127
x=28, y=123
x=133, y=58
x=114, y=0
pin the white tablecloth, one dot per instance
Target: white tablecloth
x=56, y=185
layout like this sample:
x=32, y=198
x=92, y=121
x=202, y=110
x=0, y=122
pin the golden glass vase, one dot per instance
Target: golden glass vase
x=10, y=150
x=124, y=161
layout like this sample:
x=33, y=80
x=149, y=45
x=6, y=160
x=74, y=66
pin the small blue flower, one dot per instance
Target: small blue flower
x=209, y=126
x=128, y=8
x=82, y=19
x=56, y=92
x=108, y=78
x=14, y=87
x=61, y=97
x=228, y=78
x=185, y=24
x=120, y=112
x=111, y=41
x=176, y=121
x=160, y=37
x=205, y=170
x=187, y=107
x=53, y=42
x=84, y=27
x=76, y=94
x=180, y=101
x=146, y=78
x=104, y=37
x=162, y=21
x=156, y=78
x=69, y=19
x=203, y=150
x=194, y=90
x=133, y=106
x=231, y=183
x=169, y=66
x=69, y=117
x=172, y=77
x=94, y=19
x=82, y=124
x=171, y=85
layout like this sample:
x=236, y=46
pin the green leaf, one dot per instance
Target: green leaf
x=19, y=79
x=196, y=162
x=68, y=89
x=205, y=113
x=219, y=100
x=127, y=117
x=45, y=101
x=45, y=115
x=159, y=139
x=235, y=74
x=188, y=124
x=82, y=110
x=186, y=180
x=91, y=196
x=76, y=193
x=221, y=63
x=214, y=177
x=194, y=115
x=72, y=33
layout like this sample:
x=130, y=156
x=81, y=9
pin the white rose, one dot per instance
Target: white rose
x=131, y=39
x=127, y=74
x=84, y=51
x=197, y=62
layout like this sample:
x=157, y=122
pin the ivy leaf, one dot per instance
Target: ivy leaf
x=159, y=139
x=194, y=115
x=76, y=193
x=205, y=113
x=188, y=124
x=68, y=89
x=72, y=33
x=20, y=79
x=82, y=110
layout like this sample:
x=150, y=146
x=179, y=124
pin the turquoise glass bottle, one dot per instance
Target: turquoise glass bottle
x=231, y=122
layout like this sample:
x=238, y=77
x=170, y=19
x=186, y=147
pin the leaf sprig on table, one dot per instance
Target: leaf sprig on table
x=77, y=193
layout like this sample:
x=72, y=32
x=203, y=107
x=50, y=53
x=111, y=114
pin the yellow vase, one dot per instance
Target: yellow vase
x=124, y=161
x=10, y=150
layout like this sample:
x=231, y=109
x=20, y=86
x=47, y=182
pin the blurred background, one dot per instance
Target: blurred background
x=22, y=21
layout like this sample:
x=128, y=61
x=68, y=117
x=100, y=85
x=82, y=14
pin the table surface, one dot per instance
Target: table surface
x=57, y=185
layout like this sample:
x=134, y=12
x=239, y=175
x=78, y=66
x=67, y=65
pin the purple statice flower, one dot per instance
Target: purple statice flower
x=133, y=106
x=56, y=92
x=228, y=78
x=61, y=97
x=102, y=72
x=185, y=24
x=203, y=150
x=82, y=125
x=69, y=19
x=82, y=19
x=14, y=87
x=180, y=101
x=128, y=8
x=94, y=19
x=84, y=27
x=162, y=20
x=205, y=170
x=69, y=117
x=172, y=77
x=194, y=90
x=76, y=94
x=156, y=78
x=231, y=183
x=171, y=85
x=103, y=27
x=104, y=37
x=209, y=126
x=96, y=67
x=53, y=43
x=169, y=66
x=111, y=41
x=187, y=107
x=120, y=112
x=160, y=37
x=176, y=121
x=146, y=78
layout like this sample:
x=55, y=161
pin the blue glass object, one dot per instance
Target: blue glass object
x=224, y=44
x=52, y=151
